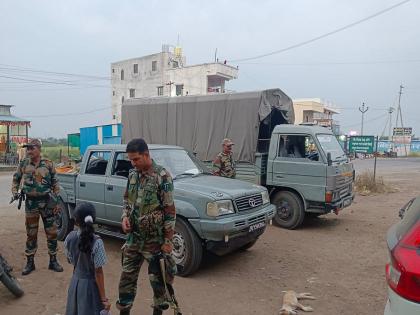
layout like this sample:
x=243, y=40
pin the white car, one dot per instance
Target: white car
x=403, y=270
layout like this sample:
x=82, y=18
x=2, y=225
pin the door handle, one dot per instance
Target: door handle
x=82, y=184
x=110, y=187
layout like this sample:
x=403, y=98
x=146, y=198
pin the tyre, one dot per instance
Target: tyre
x=11, y=283
x=64, y=223
x=188, y=250
x=289, y=210
x=249, y=245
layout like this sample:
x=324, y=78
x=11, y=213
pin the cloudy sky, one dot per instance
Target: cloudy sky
x=364, y=63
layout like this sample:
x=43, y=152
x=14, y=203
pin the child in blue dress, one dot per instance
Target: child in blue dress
x=85, y=251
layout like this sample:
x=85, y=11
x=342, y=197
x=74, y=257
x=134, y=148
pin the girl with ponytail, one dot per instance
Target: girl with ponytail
x=85, y=251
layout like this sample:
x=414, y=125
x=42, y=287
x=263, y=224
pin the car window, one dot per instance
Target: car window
x=298, y=146
x=122, y=165
x=98, y=162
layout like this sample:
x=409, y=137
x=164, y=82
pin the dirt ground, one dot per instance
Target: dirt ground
x=339, y=259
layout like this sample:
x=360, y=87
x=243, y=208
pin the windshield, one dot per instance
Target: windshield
x=178, y=162
x=329, y=143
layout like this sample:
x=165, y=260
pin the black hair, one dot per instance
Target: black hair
x=83, y=210
x=137, y=145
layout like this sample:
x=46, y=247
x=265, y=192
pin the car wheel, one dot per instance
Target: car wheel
x=188, y=250
x=289, y=210
x=63, y=221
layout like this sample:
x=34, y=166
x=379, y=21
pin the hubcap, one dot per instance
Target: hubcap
x=179, y=249
x=284, y=210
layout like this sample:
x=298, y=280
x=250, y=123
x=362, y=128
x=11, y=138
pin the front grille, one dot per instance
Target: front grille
x=248, y=202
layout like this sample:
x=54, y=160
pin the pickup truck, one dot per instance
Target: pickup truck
x=216, y=214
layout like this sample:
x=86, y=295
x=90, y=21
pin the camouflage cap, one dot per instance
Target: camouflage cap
x=33, y=143
x=227, y=141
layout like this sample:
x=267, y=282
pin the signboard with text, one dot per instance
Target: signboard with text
x=362, y=144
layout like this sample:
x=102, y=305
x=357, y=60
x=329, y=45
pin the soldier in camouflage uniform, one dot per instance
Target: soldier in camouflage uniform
x=40, y=185
x=224, y=164
x=149, y=219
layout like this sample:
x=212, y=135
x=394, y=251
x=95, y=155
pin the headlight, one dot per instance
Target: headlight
x=265, y=197
x=220, y=207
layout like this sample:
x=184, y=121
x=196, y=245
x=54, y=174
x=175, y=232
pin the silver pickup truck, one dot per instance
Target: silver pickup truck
x=213, y=213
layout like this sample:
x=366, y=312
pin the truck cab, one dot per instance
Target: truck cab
x=307, y=173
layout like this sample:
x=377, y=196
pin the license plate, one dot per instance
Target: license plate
x=257, y=226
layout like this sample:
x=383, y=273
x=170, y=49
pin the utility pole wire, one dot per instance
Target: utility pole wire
x=323, y=35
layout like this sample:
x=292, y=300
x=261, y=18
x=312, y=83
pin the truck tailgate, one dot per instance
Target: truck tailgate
x=68, y=184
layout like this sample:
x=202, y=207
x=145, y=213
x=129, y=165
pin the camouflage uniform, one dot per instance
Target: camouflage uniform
x=149, y=205
x=39, y=183
x=224, y=165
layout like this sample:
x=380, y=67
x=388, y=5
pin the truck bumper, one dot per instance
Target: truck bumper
x=340, y=204
x=225, y=235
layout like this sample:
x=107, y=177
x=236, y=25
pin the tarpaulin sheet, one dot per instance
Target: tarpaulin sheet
x=200, y=123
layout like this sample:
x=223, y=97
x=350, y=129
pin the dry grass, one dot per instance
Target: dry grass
x=366, y=185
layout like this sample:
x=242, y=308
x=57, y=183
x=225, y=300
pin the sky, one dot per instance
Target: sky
x=364, y=63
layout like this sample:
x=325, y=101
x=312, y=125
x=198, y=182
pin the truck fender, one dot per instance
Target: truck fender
x=190, y=214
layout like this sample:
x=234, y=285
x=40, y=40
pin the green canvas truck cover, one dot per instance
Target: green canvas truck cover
x=200, y=123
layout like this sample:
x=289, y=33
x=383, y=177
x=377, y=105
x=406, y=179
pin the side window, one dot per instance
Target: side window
x=98, y=162
x=311, y=150
x=298, y=146
x=122, y=165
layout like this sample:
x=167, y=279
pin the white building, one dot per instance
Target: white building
x=165, y=74
x=315, y=110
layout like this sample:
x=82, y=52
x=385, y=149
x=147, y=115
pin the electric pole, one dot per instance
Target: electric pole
x=390, y=111
x=363, y=111
x=399, y=115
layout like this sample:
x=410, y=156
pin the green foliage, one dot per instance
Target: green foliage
x=53, y=152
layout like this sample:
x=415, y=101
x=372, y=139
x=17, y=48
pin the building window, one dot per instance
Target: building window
x=113, y=93
x=122, y=99
x=136, y=68
x=175, y=64
x=113, y=70
x=132, y=93
x=160, y=90
x=179, y=89
x=154, y=65
x=122, y=74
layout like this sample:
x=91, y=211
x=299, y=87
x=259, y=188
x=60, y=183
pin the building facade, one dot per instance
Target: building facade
x=165, y=74
x=317, y=111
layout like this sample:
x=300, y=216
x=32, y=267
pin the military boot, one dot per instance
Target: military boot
x=30, y=265
x=157, y=311
x=54, y=265
x=125, y=312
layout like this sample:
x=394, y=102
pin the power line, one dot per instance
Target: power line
x=325, y=63
x=23, y=69
x=68, y=114
x=370, y=120
x=49, y=82
x=324, y=35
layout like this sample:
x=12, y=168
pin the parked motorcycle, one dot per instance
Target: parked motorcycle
x=8, y=279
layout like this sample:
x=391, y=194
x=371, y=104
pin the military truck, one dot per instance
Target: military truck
x=214, y=214
x=303, y=167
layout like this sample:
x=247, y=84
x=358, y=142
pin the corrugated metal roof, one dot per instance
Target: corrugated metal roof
x=12, y=118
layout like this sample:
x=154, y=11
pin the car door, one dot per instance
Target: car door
x=115, y=186
x=299, y=165
x=91, y=182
